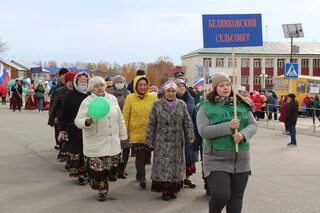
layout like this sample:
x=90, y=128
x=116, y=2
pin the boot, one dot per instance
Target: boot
x=121, y=173
x=143, y=181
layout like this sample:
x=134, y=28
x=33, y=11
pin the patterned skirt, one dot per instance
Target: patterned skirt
x=101, y=170
x=139, y=146
x=172, y=187
x=64, y=154
x=77, y=166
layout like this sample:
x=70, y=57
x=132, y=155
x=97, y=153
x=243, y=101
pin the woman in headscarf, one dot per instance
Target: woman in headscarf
x=191, y=150
x=136, y=111
x=169, y=123
x=227, y=171
x=67, y=127
x=102, y=138
x=120, y=91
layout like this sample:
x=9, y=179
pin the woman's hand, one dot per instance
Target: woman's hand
x=61, y=136
x=192, y=141
x=234, y=124
x=238, y=137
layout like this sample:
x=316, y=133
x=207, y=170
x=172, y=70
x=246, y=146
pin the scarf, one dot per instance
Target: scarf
x=123, y=92
x=224, y=100
x=170, y=103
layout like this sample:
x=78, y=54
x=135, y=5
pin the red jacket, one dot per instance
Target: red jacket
x=3, y=92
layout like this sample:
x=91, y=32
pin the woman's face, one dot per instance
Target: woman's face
x=170, y=94
x=82, y=80
x=99, y=89
x=224, y=89
x=181, y=89
x=142, y=86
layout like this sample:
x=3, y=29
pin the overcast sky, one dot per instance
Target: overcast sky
x=133, y=30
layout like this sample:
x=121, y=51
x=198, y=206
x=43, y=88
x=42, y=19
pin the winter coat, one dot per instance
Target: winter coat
x=68, y=113
x=292, y=113
x=190, y=149
x=102, y=138
x=136, y=111
x=165, y=133
x=55, y=108
x=40, y=91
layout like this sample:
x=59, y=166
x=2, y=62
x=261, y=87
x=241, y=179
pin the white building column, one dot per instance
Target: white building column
x=311, y=67
x=299, y=66
x=263, y=73
x=250, y=74
x=275, y=68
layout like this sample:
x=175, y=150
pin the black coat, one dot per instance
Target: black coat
x=291, y=113
x=67, y=115
x=16, y=91
x=55, y=108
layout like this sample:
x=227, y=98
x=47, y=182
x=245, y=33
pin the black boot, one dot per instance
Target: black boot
x=121, y=173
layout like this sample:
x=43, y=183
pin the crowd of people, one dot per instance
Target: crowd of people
x=170, y=128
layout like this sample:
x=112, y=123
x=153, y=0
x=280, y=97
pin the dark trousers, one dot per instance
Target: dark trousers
x=292, y=131
x=4, y=101
x=141, y=164
x=16, y=103
x=226, y=190
x=56, y=133
x=124, y=160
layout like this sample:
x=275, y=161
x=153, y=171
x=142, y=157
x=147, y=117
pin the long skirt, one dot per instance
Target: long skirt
x=101, y=170
x=172, y=187
x=190, y=169
x=77, y=166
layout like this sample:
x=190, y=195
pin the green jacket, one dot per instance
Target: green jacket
x=219, y=113
x=40, y=91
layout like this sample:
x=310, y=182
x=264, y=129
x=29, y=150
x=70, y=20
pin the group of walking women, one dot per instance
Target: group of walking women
x=171, y=127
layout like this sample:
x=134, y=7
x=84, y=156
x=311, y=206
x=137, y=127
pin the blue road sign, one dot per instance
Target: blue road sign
x=291, y=70
x=233, y=30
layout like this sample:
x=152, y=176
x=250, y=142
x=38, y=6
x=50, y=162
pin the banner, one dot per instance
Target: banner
x=234, y=30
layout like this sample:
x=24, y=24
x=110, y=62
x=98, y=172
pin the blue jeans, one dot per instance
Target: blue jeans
x=40, y=103
x=292, y=131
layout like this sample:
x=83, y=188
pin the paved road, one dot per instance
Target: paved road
x=283, y=179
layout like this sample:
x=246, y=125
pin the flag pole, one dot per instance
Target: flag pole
x=234, y=94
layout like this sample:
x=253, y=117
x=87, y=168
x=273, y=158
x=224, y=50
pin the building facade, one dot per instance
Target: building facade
x=255, y=67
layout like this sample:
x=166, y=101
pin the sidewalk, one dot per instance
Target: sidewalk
x=304, y=125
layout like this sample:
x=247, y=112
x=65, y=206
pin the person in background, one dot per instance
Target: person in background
x=283, y=111
x=40, y=90
x=226, y=170
x=102, y=138
x=108, y=81
x=154, y=90
x=169, y=127
x=120, y=91
x=3, y=94
x=191, y=150
x=52, y=93
x=67, y=126
x=138, y=73
x=136, y=111
x=54, y=116
x=46, y=98
x=291, y=118
x=16, y=90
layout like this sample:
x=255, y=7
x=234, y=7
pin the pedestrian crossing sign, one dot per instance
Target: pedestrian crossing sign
x=291, y=70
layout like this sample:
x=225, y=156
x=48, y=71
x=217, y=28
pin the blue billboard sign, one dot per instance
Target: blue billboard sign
x=241, y=30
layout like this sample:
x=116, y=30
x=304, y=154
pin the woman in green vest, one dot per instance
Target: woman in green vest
x=226, y=170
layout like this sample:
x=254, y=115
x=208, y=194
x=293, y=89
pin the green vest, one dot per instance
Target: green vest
x=219, y=113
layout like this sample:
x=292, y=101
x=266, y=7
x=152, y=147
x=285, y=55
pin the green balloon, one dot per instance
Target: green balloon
x=98, y=108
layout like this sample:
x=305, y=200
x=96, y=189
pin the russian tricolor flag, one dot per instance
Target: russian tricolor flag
x=4, y=77
x=199, y=83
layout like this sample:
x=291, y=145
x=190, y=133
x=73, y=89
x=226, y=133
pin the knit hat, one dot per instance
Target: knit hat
x=94, y=81
x=178, y=75
x=179, y=81
x=108, y=83
x=217, y=78
x=291, y=95
x=140, y=72
x=118, y=78
x=154, y=88
x=63, y=71
x=69, y=76
x=169, y=84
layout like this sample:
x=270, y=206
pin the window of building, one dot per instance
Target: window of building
x=244, y=80
x=219, y=62
x=269, y=63
x=256, y=80
x=207, y=62
x=301, y=87
x=269, y=80
x=257, y=62
x=280, y=63
x=316, y=63
x=304, y=63
x=230, y=62
x=245, y=62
